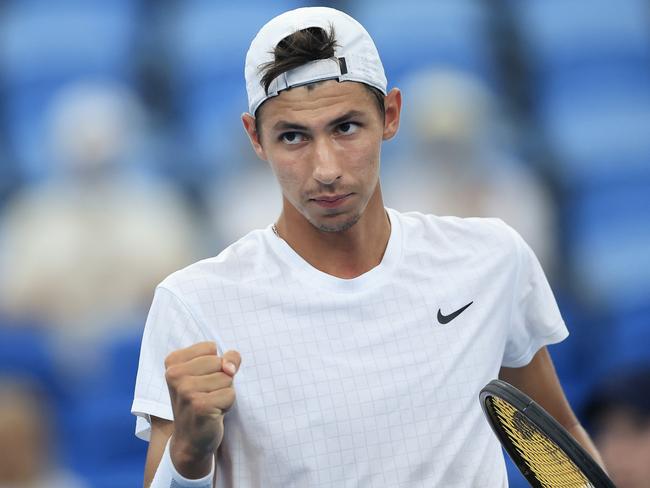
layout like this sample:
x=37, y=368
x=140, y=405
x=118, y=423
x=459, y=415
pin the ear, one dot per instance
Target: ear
x=249, y=126
x=393, y=108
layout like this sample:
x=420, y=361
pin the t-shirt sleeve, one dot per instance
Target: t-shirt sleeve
x=169, y=326
x=535, y=319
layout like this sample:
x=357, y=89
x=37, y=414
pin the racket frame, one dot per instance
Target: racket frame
x=546, y=425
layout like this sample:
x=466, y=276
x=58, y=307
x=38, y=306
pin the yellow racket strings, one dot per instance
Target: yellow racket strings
x=551, y=466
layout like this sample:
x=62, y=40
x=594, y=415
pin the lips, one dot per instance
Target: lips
x=330, y=201
x=329, y=198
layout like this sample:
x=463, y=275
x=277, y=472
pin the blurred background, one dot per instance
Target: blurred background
x=122, y=152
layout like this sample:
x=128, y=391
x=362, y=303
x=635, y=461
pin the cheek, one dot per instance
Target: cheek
x=289, y=173
x=364, y=159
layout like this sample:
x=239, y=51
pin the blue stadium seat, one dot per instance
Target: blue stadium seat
x=414, y=35
x=590, y=62
x=44, y=46
x=572, y=357
x=608, y=238
x=99, y=408
x=207, y=42
x=567, y=34
x=630, y=334
x=101, y=437
x=27, y=351
x=121, y=354
x=118, y=476
x=598, y=137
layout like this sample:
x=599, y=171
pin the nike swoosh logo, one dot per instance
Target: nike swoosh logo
x=445, y=319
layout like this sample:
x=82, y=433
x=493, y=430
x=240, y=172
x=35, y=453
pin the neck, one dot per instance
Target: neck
x=346, y=254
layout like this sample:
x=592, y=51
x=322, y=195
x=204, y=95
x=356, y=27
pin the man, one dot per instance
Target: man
x=365, y=334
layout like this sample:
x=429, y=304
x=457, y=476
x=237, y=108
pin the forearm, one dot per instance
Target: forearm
x=167, y=474
x=188, y=462
x=539, y=381
x=160, y=446
x=201, y=391
x=581, y=435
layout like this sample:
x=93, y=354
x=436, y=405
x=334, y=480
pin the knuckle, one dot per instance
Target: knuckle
x=224, y=380
x=185, y=390
x=198, y=404
x=171, y=374
x=169, y=359
x=229, y=396
x=212, y=362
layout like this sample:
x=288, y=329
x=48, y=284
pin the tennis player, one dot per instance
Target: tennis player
x=344, y=345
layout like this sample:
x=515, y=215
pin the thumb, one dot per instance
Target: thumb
x=231, y=360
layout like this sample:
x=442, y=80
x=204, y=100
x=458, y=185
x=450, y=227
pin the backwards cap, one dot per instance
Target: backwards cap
x=356, y=56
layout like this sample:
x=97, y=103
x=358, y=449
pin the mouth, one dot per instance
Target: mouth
x=330, y=201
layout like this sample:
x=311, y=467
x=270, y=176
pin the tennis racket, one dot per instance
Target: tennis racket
x=542, y=449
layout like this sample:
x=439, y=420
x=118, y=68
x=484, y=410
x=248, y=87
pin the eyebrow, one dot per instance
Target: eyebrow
x=286, y=125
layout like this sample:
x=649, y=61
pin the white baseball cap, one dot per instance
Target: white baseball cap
x=356, y=55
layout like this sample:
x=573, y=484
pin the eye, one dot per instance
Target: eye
x=292, y=137
x=348, y=127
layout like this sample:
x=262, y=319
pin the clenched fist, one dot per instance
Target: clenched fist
x=201, y=390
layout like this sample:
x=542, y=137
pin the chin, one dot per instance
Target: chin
x=336, y=226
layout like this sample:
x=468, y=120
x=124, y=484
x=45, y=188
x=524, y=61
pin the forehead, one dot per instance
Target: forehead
x=316, y=101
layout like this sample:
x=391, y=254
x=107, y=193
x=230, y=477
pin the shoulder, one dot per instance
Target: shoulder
x=458, y=232
x=241, y=261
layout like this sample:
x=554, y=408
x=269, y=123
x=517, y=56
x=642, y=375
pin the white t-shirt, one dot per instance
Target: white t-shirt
x=355, y=382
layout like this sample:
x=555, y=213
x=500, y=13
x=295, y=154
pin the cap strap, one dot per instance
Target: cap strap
x=319, y=70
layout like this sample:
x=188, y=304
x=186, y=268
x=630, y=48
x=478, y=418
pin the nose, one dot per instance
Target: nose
x=326, y=163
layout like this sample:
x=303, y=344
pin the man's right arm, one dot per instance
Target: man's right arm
x=161, y=431
x=201, y=390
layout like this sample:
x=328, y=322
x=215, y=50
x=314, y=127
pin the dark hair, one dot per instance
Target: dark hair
x=302, y=47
